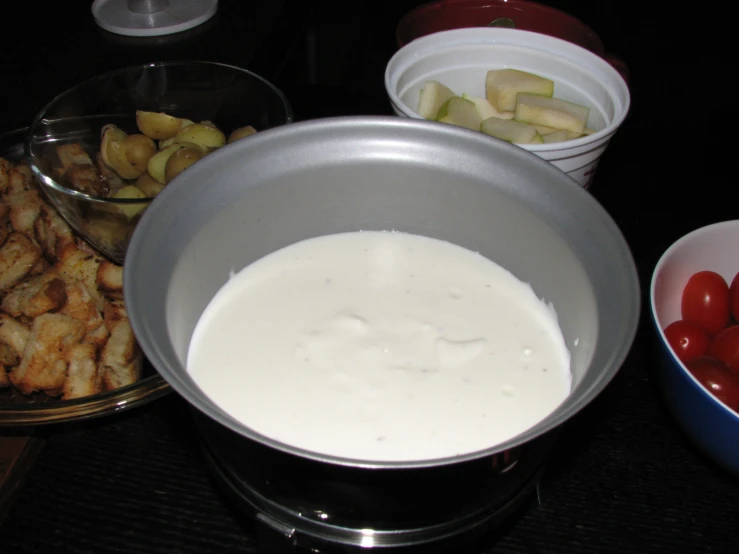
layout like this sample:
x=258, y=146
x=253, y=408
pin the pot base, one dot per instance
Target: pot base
x=282, y=529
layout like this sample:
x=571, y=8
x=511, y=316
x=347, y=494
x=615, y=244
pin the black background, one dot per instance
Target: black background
x=623, y=478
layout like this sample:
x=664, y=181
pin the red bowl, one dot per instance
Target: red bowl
x=443, y=15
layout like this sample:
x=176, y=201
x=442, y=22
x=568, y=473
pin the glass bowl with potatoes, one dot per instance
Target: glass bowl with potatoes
x=105, y=148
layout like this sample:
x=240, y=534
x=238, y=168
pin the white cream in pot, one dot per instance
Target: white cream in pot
x=380, y=346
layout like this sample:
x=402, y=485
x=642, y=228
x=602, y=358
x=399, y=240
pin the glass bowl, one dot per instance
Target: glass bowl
x=17, y=410
x=227, y=96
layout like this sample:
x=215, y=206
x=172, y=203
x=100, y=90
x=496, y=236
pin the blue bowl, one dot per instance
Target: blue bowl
x=710, y=424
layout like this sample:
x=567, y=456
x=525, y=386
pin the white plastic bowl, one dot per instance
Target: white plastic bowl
x=461, y=58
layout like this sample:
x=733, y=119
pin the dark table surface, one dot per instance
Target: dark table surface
x=623, y=477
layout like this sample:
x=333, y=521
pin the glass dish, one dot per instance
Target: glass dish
x=17, y=410
x=227, y=96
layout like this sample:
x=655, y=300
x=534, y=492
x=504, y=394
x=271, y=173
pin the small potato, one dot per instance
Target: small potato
x=240, y=133
x=113, y=153
x=157, y=125
x=205, y=136
x=130, y=191
x=181, y=160
x=166, y=142
x=139, y=149
x=158, y=162
x=149, y=185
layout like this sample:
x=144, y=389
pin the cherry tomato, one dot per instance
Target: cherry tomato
x=717, y=378
x=687, y=339
x=705, y=301
x=734, y=298
x=725, y=347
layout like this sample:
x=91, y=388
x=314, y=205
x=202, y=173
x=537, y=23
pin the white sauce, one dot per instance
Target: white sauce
x=380, y=346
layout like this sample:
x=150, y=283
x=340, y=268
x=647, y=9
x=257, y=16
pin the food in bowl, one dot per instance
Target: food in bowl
x=134, y=165
x=519, y=107
x=706, y=339
x=198, y=91
x=382, y=346
x=460, y=59
x=64, y=329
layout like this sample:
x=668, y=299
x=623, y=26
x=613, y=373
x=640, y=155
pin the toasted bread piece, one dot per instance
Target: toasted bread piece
x=4, y=207
x=20, y=178
x=110, y=280
x=86, y=178
x=72, y=154
x=121, y=359
x=24, y=209
x=5, y=167
x=81, y=306
x=4, y=228
x=83, y=374
x=14, y=334
x=43, y=366
x=97, y=337
x=8, y=357
x=38, y=295
x=76, y=264
x=4, y=379
x=18, y=256
x=52, y=232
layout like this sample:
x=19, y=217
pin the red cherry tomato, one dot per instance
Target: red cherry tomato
x=734, y=298
x=687, y=339
x=705, y=301
x=717, y=378
x=725, y=347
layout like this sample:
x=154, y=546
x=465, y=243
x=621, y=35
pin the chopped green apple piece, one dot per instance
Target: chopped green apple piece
x=503, y=85
x=557, y=136
x=461, y=112
x=484, y=108
x=510, y=130
x=544, y=130
x=536, y=109
x=432, y=96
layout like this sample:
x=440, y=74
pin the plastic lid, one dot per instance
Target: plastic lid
x=177, y=15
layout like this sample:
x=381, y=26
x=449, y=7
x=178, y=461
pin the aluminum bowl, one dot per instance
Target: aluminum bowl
x=373, y=173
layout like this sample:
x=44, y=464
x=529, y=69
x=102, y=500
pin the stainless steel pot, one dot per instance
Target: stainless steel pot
x=358, y=173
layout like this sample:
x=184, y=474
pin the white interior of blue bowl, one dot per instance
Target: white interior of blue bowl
x=714, y=248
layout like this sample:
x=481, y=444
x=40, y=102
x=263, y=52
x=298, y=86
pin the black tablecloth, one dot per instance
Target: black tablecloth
x=623, y=477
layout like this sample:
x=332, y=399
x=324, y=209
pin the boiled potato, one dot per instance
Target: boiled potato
x=150, y=186
x=114, y=154
x=132, y=192
x=241, y=132
x=139, y=149
x=157, y=125
x=158, y=162
x=180, y=160
x=202, y=134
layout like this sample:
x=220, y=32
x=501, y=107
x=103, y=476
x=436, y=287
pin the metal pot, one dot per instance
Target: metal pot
x=359, y=173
